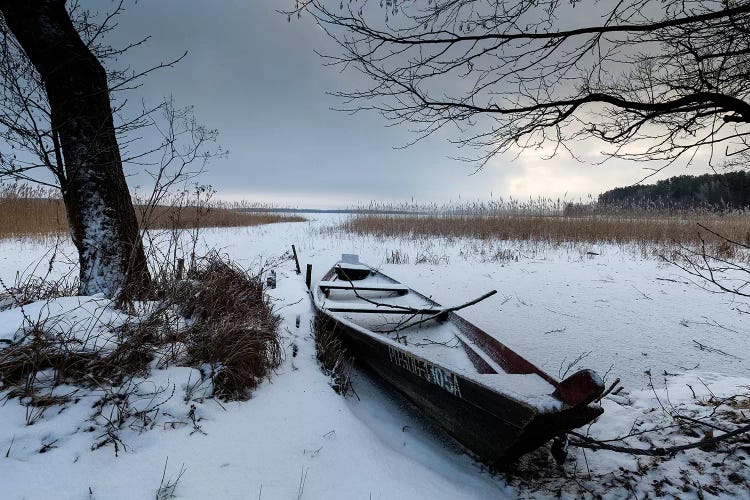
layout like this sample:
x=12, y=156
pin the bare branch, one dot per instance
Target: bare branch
x=653, y=80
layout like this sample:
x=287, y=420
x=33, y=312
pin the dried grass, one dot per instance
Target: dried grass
x=233, y=326
x=39, y=214
x=624, y=228
x=332, y=355
x=34, y=219
x=219, y=316
x=168, y=217
x=43, y=348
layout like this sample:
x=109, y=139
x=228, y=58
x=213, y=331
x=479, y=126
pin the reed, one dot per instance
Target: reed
x=37, y=214
x=555, y=222
x=170, y=217
x=32, y=218
x=554, y=229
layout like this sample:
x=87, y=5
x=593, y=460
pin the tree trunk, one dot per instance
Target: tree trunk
x=100, y=211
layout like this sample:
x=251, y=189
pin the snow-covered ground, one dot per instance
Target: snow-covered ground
x=296, y=438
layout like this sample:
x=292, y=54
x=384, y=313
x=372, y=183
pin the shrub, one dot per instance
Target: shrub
x=234, y=328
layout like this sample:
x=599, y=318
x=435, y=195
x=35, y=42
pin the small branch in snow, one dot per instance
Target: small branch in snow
x=167, y=489
x=562, y=373
x=302, y=480
x=608, y=391
x=704, y=347
x=564, y=314
x=656, y=451
x=674, y=281
x=12, y=440
x=714, y=323
x=556, y=330
x=642, y=293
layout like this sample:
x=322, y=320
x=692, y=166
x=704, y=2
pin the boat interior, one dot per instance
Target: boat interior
x=380, y=305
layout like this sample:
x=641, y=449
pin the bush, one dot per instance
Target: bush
x=233, y=326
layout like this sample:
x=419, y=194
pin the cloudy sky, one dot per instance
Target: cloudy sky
x=255, y=77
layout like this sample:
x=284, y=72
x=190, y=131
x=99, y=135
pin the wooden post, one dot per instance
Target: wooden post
x=296, y=260
x=308, y=276
x=180, y=268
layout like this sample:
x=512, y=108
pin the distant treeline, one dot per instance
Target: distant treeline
x=720, y=191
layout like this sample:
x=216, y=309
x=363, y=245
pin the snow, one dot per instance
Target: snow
x=295, y=428
x=651, y=407
x=86, y=320
x=528, y=387
x=103, y=260
x=296, y=438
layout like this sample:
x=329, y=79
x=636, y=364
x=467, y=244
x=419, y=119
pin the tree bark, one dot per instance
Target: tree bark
x=100, y=211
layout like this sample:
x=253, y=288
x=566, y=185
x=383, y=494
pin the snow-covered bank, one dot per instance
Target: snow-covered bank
x=296, y=438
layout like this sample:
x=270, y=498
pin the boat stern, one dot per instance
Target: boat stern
x=581, y=388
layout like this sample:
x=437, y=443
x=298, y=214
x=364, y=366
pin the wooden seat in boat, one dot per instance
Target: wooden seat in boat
x=374, y=287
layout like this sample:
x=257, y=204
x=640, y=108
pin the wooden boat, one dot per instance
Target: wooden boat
x=489, y=398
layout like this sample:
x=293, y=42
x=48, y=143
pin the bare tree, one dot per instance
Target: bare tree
x=100, y=212
x=62, y=120
x=652, y=79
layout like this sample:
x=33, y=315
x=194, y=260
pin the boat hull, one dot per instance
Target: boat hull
x=494, y=427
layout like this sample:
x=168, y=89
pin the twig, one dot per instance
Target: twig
x=414, y=311
x=704, y=347
x=12, y=440
x=443, y=313
x=556, y=330
x=593, y=444
x=699, y=422
x=564, y=314
x=446, y=343
x=673, y=281
x=608, y=391
x=380, y=304
x=570, y=366
x=721, y=236
x=302, y=480
x=639, y=291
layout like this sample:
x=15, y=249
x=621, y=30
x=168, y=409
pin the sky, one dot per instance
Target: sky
x=256, y=78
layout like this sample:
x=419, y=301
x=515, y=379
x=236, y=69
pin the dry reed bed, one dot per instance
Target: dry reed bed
x=167, y=217
x=219, y=320
x=29, y=218
x=624, y=228
x=42, y=217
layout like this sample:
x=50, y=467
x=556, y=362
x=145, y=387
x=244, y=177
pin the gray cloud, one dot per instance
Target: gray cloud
x=254, y=76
